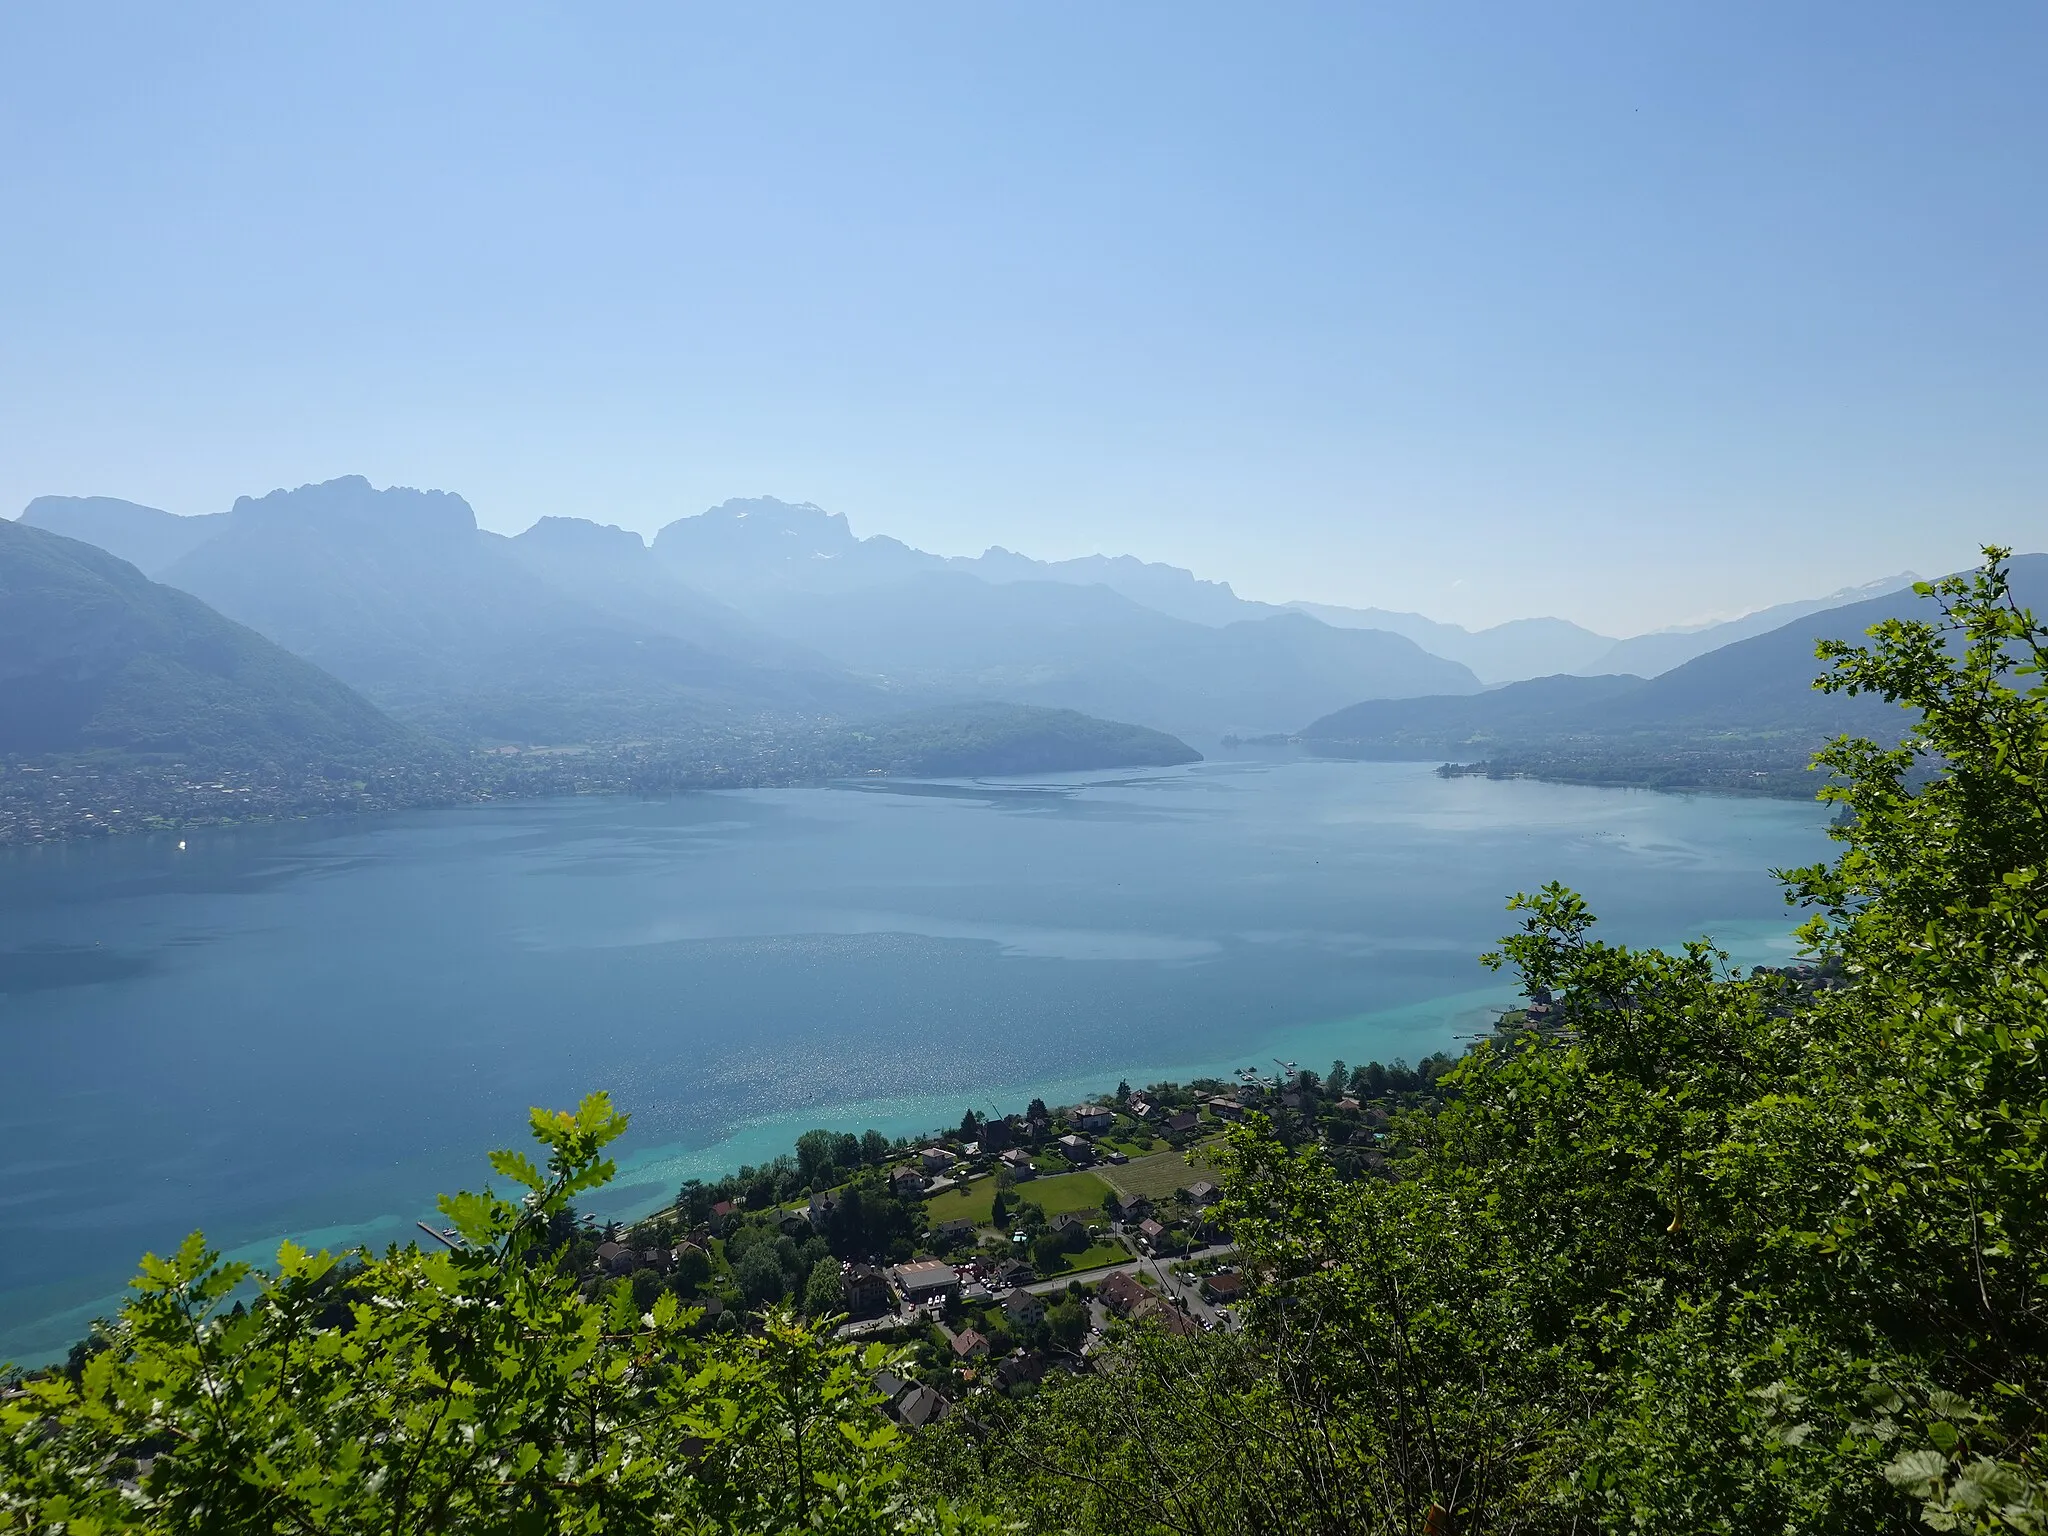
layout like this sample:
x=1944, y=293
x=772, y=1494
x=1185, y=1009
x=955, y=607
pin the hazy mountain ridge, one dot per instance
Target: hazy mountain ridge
x=96, y=657
x=1743, y=716
x=574, y=630
x=148, y=538
x=1508, y=652
x=1658, y=652
x=400, y=593
x=1091, y=649
x=128, y=704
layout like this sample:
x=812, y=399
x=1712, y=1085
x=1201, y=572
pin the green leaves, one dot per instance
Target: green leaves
x=438, y=1392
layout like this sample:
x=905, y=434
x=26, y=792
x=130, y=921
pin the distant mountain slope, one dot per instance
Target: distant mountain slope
x=96, y=657
x=1090, y=649
x=399, y=593
x=149, y=539
x=967, y=740
x=1167, y=589
x=1510, y=652
x=1746, y=713
x=1430, y=727
x=614, y=572
x=1650, y=655
x=760, y=544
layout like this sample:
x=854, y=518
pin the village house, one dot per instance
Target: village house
x=906, y=1183
x=1120, y=1293
x=866, y=1288
x=1201, y=1193
x=821, y=1206
x=935, y=1159
x=1154, y=1238
x=919, y=1406
x=1226, y=1109
x=1075, y=1149
x=1223, y=1290
x=928, y=1280
x=1142, y=1109
x=1169, y=1319
x=1024, y=1310
x=1092, y=1117
x=1184, y=1122
x=1018, y=1161
x=617, y=1258
x=969, y=1344
x=1026, y=1366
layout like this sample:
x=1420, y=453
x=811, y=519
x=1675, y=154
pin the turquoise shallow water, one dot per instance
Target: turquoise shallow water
x=310, y=1029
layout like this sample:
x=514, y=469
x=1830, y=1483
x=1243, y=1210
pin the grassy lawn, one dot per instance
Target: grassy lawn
x=1134, y=1141
x=974, y=1201
x=1066, y=1192
x=1158, y=1176
x=1107, y=1252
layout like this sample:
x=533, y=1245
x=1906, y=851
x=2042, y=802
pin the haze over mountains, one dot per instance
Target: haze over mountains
x=95, y=656
x=761, y=609
x=1743, y=716
x=573, y=631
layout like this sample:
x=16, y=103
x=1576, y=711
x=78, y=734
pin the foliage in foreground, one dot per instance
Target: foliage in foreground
x=1726, y=1254
x=439, y=1392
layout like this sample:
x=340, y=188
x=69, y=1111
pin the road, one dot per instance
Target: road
x=1172, y=1287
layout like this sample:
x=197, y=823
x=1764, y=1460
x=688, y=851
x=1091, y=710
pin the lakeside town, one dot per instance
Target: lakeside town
x=1004, y=1248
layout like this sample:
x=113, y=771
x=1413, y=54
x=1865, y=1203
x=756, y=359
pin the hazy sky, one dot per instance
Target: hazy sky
x=1634, y=314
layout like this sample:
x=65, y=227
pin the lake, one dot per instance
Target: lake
x=311, y=1028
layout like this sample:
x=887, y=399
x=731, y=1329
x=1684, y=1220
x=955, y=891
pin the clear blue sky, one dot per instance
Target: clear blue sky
x=1634, y=314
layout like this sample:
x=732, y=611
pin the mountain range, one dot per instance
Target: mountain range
x=1745, y=715
x=761, y=611
x=574, y=631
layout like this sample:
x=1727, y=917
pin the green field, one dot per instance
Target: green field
x=1158, y=1176
x=1066, y=1192
x=1108, y=1251
x=974, y=1201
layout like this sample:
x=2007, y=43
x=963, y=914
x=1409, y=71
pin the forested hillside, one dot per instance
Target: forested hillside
x=1678, y=1250
x=95, y=656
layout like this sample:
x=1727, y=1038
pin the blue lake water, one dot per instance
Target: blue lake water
x=312, y=1028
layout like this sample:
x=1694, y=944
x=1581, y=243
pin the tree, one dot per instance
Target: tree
x=874, y=1148
x=814, y=1150
x=694, y=1202
x=1067, y=1322
x=823, y=1292
x=692, y=1269
x=759, y=1276
x=466, y=1391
